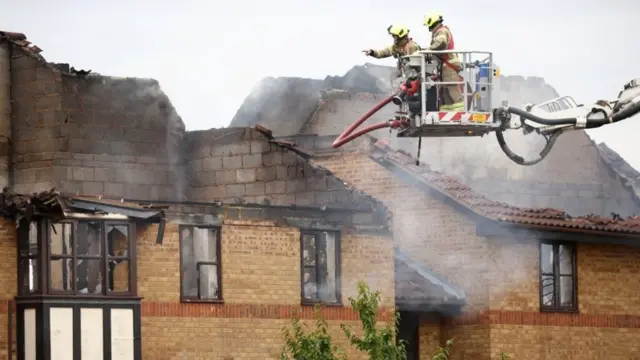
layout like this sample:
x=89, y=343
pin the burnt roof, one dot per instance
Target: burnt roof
x=420, y=288
x=542, y=218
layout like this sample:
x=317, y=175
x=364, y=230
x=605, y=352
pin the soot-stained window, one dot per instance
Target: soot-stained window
x=77, y=257
x=320, y=267
x=558, y=277
x=91, y=258
x=200, y=265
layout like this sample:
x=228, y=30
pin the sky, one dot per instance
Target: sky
x=207, y=55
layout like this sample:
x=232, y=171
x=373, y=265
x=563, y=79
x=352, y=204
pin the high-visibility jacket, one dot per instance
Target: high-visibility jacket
x=442, y=39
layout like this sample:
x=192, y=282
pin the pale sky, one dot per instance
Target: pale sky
x=207, y=55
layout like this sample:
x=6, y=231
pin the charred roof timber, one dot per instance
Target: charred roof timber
x=54, y=205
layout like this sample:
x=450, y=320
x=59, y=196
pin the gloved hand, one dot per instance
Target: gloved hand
x=368, y=52
x=429, y=57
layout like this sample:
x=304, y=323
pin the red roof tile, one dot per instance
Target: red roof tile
x=500, y=211
x=20, y=40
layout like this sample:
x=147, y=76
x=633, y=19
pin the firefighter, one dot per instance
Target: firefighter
x=403, y=45
x=451, y=98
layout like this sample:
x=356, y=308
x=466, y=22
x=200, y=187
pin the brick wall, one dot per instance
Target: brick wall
x=500, y=277
x=608, y=323
x=261, y=288
x=431, y=232
x=8, y=281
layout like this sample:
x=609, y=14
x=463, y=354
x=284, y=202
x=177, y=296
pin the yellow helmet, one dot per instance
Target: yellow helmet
x=432, y=19
x=398, y=31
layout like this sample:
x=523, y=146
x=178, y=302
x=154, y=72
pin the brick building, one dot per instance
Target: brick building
x=205, y=257
x=164, y=244
x=494, y=241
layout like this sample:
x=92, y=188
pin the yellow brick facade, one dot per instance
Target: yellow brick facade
x=260, y=269
x=501, y=280
x=8, y=282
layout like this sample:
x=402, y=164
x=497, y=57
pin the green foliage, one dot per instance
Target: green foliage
x=304, y=344
x=504, y=356
x=444, y=352
x=380, y=344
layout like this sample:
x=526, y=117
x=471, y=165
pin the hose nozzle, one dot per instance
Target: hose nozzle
x=399, y=98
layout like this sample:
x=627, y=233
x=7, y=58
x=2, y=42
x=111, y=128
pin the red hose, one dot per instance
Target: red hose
x=346, y=135
x=341, y=141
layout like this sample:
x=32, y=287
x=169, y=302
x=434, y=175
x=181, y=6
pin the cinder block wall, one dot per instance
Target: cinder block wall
x=93, y=135
x=261, y=288
x=239, y=163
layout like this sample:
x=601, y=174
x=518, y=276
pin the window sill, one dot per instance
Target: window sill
x=201, y=301
x=308, y=303
x=560, y=310
x=81, y=297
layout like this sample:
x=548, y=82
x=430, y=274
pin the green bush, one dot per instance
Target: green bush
x=380, y=344
x=310, y=345
x=301, y=343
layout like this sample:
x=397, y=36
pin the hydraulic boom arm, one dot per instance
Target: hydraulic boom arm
x=415, y=118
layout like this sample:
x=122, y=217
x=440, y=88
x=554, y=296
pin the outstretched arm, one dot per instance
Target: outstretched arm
x=380, y=54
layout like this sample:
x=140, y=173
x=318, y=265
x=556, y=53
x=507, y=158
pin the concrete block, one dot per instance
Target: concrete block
x=259, y=147
x=240, y=148
x=256, y=188
x=276, y=187
x=195, y=165
x=215, y=192
x=232, y=162
x=83, y=174
x=265, y=174
x=224, y=177
x=272, y=159
x=294, y=172
x=283, y=199
x=212, y=163
x=289, y=158
x=282, y=172
x=246, y=175
x=235, y=190
x=295, y=186
x=305, y=198
x=252, y=161
x=74, y=187
x=317, y=183
x=92, y=188
x=48, y=102
x=122, y=148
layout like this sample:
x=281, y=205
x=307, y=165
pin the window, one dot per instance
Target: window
x=558, y=277
x=200, y=272
x=320, y=267
x=28, y=262
x=97, y=254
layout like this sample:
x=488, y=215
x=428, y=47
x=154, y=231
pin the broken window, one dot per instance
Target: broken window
x=320, y=267
x=28, y=268
x=200, y=263
x=61, y=262
x=89, y=257
x=118, y=257
x=558, y=277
